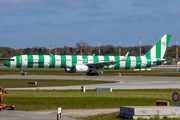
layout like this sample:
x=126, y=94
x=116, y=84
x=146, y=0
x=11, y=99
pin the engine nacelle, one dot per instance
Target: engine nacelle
x=70, y=70
x=81, y=68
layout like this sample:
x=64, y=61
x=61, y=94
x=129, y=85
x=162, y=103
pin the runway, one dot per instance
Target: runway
x=160, y=67
x=123, y=82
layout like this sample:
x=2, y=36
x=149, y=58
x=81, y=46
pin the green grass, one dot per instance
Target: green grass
x=106, y=72
x=71, y=99
x=2, y=61
x=14, y=83
x=32, y=100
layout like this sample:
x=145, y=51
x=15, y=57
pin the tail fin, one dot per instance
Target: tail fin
x=159, y=49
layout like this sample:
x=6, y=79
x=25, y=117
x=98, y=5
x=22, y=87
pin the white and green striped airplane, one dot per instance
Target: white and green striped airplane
x=90, y=63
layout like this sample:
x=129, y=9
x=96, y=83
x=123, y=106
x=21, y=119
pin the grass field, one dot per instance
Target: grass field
x=32, y=100
x=106, y=72
x=70, y=99
x=14, y=83
x=2, y=61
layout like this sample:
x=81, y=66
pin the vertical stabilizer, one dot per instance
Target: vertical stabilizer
x=159, y=49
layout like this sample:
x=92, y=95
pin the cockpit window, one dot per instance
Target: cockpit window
x=11, y=59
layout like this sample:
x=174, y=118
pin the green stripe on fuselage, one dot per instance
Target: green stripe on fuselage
x=18, y=61
x=138, y=62
x=41, y=61
x=158, y=63
x=85, y=59
x=30, y=61
x=117, y=65
x=52, y=61
x=74, y=60
x=106, y=58
x=128, y=63
x=95, y=59
x=63, y=61
x=148, y=62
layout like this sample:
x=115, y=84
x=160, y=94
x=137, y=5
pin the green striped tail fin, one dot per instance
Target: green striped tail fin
x=159, y=49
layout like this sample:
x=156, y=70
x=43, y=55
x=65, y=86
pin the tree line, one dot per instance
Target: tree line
x=6, y=52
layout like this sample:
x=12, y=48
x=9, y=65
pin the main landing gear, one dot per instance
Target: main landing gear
x=92, y=74
x=23, y=73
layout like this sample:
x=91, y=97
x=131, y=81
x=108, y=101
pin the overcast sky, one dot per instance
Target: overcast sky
x=29, y=23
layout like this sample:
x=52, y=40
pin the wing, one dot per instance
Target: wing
x=102, y=64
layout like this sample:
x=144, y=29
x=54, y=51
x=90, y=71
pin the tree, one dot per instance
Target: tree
x=40, y=51
x=5, y=54
x=19, y=52
x=85, y=47
x=95, y=51
x=27, y=51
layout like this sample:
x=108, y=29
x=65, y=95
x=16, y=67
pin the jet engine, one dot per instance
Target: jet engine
x=69, y=70
x=78, y=69
x=82, y=68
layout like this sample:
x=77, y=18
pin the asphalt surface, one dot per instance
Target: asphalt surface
x=166, y=67
x=23, y=115
x=160, y=67
x=123, y=82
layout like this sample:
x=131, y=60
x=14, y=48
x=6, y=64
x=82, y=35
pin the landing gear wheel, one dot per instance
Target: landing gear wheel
x=87, y=74
x=92, y=74
x=23, y=73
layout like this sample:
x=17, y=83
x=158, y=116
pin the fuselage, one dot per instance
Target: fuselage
x=69, y=61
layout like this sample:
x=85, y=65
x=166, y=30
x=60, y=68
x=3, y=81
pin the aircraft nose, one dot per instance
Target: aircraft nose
x=7, y=64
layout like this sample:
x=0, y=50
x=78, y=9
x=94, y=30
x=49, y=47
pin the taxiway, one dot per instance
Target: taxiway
x=120, y=82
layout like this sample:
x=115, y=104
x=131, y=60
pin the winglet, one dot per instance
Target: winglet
x=125, y=57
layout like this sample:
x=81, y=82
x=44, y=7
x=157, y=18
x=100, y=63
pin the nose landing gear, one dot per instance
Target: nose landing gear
x=23, y=73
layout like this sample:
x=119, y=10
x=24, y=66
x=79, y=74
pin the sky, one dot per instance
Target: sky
x=31, y=23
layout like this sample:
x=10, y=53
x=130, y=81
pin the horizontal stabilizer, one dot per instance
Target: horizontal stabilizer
x=160, y=61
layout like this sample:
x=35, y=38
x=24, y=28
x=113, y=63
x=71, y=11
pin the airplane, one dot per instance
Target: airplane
x=90, y=63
